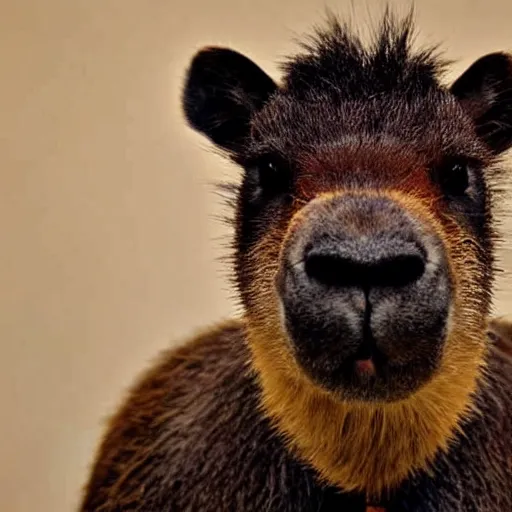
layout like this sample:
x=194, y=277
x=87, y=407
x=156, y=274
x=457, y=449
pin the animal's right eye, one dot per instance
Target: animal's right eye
x=271, y=176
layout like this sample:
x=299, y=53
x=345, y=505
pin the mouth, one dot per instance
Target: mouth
x=365, y=368
x=364, y=372
x=371, y=378
x=367, y=363
x=360, y=369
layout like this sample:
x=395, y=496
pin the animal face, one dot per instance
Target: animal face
x=364, y=235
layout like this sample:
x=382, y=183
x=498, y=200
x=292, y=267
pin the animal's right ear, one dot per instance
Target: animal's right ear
x=223, y=90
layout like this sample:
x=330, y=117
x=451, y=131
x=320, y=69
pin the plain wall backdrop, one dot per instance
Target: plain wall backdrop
x=109, y=238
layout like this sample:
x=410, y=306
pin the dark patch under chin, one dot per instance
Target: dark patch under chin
x=391, y=382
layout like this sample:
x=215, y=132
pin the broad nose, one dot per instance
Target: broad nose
x=364, y=243
x=395, y=264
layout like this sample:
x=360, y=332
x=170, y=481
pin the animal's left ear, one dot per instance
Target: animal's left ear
x=485, y=92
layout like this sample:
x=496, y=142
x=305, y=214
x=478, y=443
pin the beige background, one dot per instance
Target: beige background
x=108, y=236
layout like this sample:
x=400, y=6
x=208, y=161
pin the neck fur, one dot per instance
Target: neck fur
x=368, y=447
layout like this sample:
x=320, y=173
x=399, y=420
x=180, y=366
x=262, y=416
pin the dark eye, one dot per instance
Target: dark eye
x=273, y=176
x=454, y=177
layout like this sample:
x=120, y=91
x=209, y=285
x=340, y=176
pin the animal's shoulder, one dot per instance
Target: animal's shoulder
x=171, y=423
x=191, y=436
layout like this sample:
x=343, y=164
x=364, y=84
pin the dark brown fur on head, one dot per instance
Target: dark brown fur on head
x=364, y=232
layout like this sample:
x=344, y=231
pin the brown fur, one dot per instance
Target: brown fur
x=501, y=333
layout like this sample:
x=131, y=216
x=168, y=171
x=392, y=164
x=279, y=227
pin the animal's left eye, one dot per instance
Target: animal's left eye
x=454, y=177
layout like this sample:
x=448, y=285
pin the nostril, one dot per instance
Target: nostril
x=332, y=269
x=399, y=270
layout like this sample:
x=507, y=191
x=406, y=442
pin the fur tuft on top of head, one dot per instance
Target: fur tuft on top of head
x=336, y=61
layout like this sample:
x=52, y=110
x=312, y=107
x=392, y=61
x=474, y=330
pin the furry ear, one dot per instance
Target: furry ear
x=485, y=92
x=223, y=90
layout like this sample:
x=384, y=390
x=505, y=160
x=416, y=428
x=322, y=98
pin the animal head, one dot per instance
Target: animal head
x=364, y=234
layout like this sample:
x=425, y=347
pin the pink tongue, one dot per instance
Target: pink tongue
x=365, y=367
